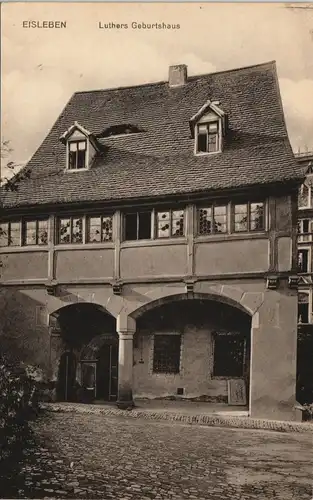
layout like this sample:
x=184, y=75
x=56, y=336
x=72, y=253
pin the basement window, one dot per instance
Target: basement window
x=166, y=353
x=229, y=355
x=77, y=155
x=137, y=225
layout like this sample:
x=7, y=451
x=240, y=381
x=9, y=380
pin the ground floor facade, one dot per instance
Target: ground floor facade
x=229, y=341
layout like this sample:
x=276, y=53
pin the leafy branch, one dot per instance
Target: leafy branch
x=11, y=183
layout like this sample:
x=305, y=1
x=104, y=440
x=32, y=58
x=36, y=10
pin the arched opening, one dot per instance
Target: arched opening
x=88, y=365
x=98, y=368
x=196, y=349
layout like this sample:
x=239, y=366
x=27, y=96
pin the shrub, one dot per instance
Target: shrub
x=18, y=403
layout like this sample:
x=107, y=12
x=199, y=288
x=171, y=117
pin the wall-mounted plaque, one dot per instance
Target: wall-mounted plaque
x=237, y=392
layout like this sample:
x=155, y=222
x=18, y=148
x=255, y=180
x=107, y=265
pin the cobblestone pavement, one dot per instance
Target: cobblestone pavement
x=95, y=457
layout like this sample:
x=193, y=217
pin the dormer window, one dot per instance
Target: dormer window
x=77, y=155
x=81, y=148
x=207, y=137
x=208, y=127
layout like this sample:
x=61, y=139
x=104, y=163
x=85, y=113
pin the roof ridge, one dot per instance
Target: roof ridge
x=193, y=77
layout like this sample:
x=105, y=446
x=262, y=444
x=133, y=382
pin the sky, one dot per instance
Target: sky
x=42, y=68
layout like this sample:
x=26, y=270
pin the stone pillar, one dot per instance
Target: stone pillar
x=273, y=356
x=126, y=328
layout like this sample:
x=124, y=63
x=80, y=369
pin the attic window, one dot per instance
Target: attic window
x=77, y=155
x=207, y=137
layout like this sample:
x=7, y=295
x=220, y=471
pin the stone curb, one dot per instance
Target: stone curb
x=198, y=419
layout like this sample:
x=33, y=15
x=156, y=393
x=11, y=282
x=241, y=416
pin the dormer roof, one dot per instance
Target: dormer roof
x=214, y=107
x=76, y=127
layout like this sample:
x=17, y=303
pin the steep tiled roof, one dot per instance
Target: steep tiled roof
x=160, y=160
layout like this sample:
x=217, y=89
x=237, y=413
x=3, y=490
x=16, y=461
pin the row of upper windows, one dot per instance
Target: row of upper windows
x=139, y=225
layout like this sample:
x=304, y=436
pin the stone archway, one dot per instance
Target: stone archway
x=215, y=297
x=72, y=328
x=193, y=346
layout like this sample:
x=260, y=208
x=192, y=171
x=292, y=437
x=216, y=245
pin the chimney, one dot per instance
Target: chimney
x=177, y=75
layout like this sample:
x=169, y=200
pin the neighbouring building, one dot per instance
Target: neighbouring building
x=305, y=292
x=152, y=252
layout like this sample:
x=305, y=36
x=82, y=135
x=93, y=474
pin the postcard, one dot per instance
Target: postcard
x=156, y=251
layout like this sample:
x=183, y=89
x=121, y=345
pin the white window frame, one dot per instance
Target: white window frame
x=207, y=121
x=304, y=237
x=308, y=249
x=87, y=152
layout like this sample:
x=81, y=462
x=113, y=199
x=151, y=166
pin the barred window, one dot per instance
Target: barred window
x=10, y=234
x=170, y=223
x=229, y=355
x=99, y=229
x=212, y=219
x=166, y=353
x=248, y=217
x=35, y=232
x=70, y=230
